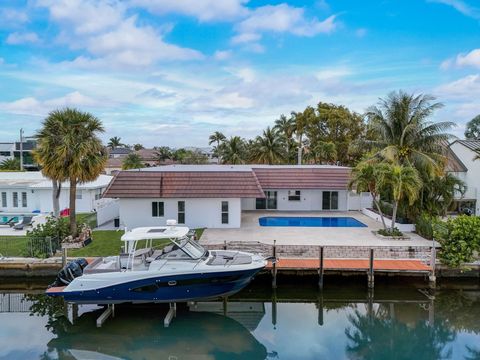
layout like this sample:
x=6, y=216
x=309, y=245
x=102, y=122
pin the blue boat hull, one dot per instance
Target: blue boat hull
x=176, y=288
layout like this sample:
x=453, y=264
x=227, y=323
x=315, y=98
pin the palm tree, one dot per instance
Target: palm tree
x=268, y=149
x=216, y=137
x=12, y=164
x=403, y=181
x=132, y=161
x=233, y=150
x=325, y=151
x=137, y=147
x=285, y=128
x=301, y=121
x=404, y=133
x=69, y=148
x=364, y=178
x=163, y=153
x=114, y=142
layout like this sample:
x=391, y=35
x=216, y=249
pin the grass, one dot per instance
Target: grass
x=13, y=245
x=88, y=218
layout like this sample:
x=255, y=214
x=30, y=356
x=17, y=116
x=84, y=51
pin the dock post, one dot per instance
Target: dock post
x=433, y=258
x=320, y=309
x=371, y=282
x=274, y=308
x=64, y=256
x=172, y=312
x=224, y=244
x=225, y=308
x=320, y=269
x=105, y=315
x=274, y=265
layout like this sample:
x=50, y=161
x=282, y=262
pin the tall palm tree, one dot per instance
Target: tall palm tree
x=233, y=150
x=285, y=128
x=301, y=121
x=137, y=147
x=163, y=153
x=268, y=148
x=403, y=181
x=115, y=142
x=325, y=151
x=364, y=178
x=404, y=133
x=217, y=137
x=69, y=149
x=132, y=161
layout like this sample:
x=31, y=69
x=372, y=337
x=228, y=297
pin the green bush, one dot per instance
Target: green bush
x=390, y=232
x=425, y=224
x=52, y=227
x=460, y=239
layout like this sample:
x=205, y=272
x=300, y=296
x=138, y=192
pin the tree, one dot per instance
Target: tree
x=137, y=147
x=439, y=192
x=402, y=181
x=114, y=142
x=404, y=134
x=324, y=152
x=163, y=153
x=364, y=178
x=12, y=164
x=69, y=148
x=233, y=150
x=132, y=161
x=473, y=128
x=301, y=120
x=268, y=148
x=285, y=127
x=217, y=137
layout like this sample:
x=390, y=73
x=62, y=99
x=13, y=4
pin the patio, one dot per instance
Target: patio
x=250, y=230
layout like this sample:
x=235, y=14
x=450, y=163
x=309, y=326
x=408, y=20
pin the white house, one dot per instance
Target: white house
x=467, y=169
x=29, y=191
x=214, y=196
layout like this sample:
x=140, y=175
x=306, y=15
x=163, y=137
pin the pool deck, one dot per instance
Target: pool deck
x=250, y=230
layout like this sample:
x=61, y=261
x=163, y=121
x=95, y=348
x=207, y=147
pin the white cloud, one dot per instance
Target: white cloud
x=111, y=39
x=470, y=59
x=333, y=73
x=12, y=17
x=467, y=87
x=222, y=54
x=33, y=106
x=245, y=38
x=283, y=18
x=461, y=6
x=22, y=38
x=203, y=10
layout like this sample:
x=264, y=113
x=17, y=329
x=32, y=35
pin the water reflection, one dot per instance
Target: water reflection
x=338, y=324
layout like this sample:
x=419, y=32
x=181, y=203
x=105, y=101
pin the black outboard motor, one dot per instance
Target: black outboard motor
x=69, y=272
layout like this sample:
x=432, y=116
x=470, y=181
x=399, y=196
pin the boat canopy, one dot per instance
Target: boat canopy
x=153, y=233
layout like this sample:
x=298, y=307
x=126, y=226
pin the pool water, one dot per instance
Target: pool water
x=310, y=221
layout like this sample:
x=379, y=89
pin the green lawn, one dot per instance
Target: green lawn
x=105, y=243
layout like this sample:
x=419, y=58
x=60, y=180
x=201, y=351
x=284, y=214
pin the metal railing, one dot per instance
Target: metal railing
x=24, y=246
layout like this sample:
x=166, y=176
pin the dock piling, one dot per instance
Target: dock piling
x=64, y=256
x=109, y=311
x=371, y=280
x=172, y=312
x=433, y=258
x=274, y=265
x=224, y=244
x=320, y=269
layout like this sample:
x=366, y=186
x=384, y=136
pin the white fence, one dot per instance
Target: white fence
x=107, y=210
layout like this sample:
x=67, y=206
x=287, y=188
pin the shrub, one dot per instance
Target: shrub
x=425, y=224
x=460, y=239
x=390, y=232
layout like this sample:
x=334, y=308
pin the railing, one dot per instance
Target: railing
x=24, y=246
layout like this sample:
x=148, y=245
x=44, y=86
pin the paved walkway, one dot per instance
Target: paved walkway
x=327, y=236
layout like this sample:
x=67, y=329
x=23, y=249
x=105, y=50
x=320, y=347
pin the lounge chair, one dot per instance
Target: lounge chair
x=8, y=221
x=26, y=221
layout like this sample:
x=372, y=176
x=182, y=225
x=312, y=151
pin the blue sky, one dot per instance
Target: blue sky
x=164, y=72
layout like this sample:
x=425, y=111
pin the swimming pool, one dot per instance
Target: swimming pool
x=310, y=221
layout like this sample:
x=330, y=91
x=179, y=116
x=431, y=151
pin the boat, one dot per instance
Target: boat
x=181, y=271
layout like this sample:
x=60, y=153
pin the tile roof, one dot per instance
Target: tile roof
x=471, y=144
x=181, y=184
x=303, y=178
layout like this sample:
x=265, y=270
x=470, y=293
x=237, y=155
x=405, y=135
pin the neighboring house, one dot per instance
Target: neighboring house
x=467, y=169
x=214, y=196
x=23, y=192
x=113, y=166
x=13, y=150
x=119, y=152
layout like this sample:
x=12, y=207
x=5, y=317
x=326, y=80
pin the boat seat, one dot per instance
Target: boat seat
x=154, y=256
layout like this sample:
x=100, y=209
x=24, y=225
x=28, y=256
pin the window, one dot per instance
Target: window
x=181, y=212
x=15, y=199
x=4, y=199
x=293, y=195
x=330, y=200
x=269, y=202
x=224, y=212
x=157, y=208
x=24, y=199
x=78, y=195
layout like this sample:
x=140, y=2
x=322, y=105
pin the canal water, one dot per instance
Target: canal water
x=345, y=321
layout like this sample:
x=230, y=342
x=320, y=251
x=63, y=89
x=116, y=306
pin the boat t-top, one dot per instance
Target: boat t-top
x=181, y=271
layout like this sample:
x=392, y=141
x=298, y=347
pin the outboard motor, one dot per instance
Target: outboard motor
x=69, y=272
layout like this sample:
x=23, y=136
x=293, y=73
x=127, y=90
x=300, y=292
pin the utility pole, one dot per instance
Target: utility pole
x=21, y=149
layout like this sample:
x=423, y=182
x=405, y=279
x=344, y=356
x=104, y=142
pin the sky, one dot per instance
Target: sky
x=171, y=72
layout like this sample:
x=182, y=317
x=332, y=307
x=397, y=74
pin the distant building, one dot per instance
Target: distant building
x=119, y=152
x=30, y=191
x=10, y=150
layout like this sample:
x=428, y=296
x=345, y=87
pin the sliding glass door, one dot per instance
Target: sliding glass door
x=330, y=200
x=267, y=203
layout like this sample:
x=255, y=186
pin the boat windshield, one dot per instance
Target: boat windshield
x=192, y=248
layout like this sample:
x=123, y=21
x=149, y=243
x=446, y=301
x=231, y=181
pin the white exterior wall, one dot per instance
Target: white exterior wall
x=10, y=208
x=310, y=200
x=199, y=213
x=472, y=176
